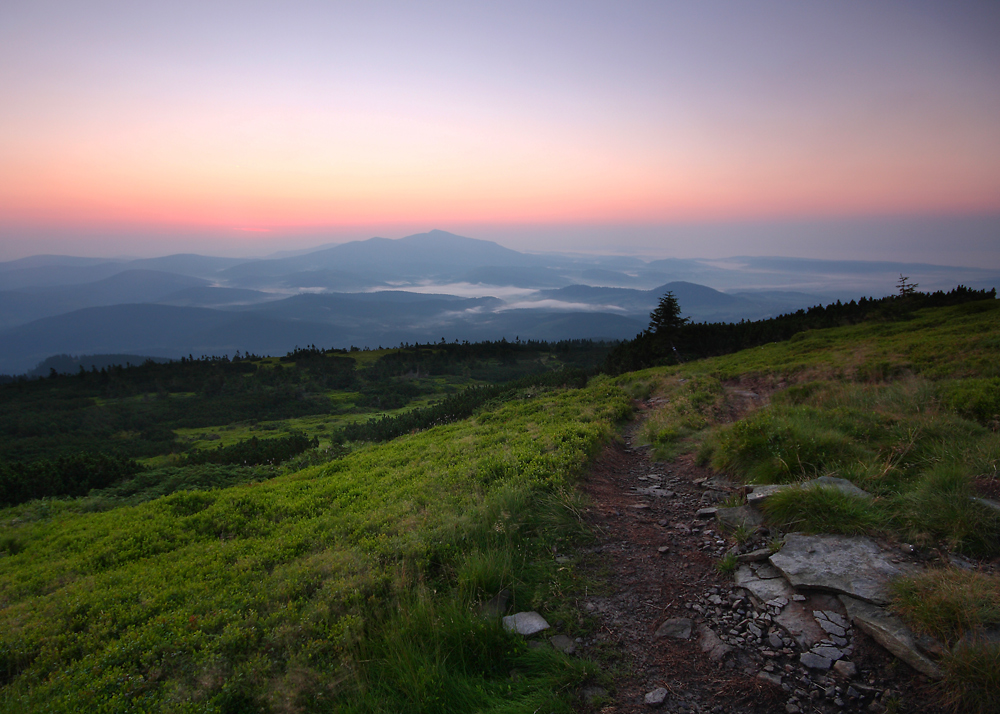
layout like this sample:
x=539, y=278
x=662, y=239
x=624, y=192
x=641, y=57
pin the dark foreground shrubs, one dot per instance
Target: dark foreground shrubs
x=66, y=476
x=254, y=451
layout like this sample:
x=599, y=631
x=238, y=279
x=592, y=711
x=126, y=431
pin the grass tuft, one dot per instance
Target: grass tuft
x=940, y=505
x=823, y=510
x=955, y=606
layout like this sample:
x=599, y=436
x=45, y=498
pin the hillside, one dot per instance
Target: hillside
x=356, y=579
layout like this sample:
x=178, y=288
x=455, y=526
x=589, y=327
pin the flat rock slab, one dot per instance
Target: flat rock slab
x=849, y=565
x=745, y=516
x=525, y=623
x=987, y=502
x=797, y=621
x=677, y=627
x=711, y=644
x=890, y=632
x=762, y=493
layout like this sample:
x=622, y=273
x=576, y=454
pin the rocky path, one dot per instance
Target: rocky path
x=683, y=637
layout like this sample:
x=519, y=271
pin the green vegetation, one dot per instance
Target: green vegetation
x=349, y=586
x=319, y=532
x=956, y=607
x=254, y=451
x=904, y=406
x=66, y=476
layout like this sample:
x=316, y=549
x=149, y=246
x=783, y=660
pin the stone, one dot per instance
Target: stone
x=525, y=623
x=762, y=493
x=774, y=639
x=987, y=502
x=711, y=645
x=831, y=628
x=496, y=605
x=831, y=653
x=707, y=512
x=845, y=669
x=678, y=628
x=656, y=697
x=739, y=516
x=762, y=589
x=814, y=661
x=754, y=556
x=564, y=644
x=890, y=632
x=770, y=678
x=766, y=571
x=841, y=484
x=663, y=549
x=852, y=565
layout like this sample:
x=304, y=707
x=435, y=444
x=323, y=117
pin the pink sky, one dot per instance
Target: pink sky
x=153, y=128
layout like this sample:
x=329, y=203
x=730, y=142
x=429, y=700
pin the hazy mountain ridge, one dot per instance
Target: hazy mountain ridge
x=381, y=291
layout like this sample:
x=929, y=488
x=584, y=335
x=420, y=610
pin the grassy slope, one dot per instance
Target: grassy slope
x=908, y=411
x=352, y=586
x=240, y=598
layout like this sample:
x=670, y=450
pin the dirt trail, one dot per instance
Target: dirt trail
x=659, y=559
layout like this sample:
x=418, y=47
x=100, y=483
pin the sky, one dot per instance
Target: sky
x=862, y=130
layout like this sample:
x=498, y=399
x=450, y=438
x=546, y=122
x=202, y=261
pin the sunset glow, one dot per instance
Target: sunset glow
x=266, y=121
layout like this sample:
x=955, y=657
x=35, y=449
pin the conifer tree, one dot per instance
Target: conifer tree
x=666, y=318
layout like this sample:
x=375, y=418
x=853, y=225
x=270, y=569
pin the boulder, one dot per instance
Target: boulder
x=733, y=518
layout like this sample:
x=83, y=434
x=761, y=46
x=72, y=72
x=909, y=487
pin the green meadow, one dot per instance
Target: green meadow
x=352, y=580
x=299, y=591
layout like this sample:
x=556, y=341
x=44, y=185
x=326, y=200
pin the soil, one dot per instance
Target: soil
x=658, y=558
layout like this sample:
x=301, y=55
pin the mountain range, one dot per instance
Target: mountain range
x=423, y=287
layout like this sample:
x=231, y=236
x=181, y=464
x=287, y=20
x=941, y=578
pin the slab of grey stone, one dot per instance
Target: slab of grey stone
x=762, y=589
x=737, y=516
x=815, y=661
x=564, y=644
x=831, y=653
x=987, y=502
x=762, y=493
x=711, y=645
x=841, y=484
x=525, y=623
x=754, y=556
x=796, y=620
x=851, y=565
x=656, y=697
x=677, y=627
x=890, y=632
x=765, y=571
